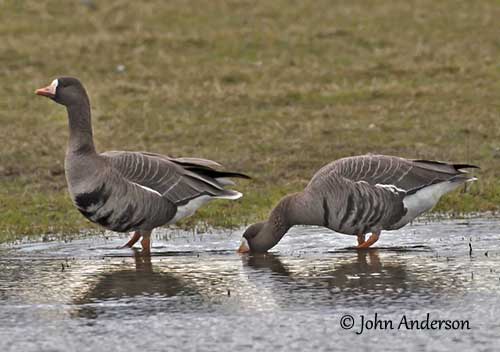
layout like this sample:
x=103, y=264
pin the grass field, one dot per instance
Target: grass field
x=275, y=89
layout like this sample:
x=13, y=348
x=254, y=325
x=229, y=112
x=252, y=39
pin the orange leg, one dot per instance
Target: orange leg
x=361, y=239
x=135, y=237
x=371, y=240
x=146, y=243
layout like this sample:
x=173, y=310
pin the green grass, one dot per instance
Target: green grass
x=275, y=89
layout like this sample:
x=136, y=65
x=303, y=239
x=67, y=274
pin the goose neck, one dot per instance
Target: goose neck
x=80, y=129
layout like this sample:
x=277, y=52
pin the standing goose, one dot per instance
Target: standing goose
x=131, y=191
x=359, y=195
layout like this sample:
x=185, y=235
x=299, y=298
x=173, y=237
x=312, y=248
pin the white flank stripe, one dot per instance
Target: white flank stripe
x=391, y=188
x=147, y=189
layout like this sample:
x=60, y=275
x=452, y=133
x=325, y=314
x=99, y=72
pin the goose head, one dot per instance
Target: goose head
x=65, y=91
x=262, y=236
x=247, y=241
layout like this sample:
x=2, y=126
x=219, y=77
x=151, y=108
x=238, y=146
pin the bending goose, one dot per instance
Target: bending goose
x=359, y=195
x=131, y=191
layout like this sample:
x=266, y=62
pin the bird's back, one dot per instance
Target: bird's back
x=370, y=193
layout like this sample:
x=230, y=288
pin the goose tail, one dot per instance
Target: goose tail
x=442, y=167
x=462, y=178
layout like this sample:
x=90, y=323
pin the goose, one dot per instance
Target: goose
x=359, y=195
x=131, y=191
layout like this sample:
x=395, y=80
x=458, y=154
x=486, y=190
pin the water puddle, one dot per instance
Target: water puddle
x=196, y=293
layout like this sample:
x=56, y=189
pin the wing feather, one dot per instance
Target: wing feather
x=178, y=180
x=403, y=173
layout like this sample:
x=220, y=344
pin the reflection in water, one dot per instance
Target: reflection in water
x=358, y=275
x=122, y=285
x=265, y=282
x=267, y=261
x=66, y=295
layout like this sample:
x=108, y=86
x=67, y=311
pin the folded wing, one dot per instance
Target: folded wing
x=405, y=174
x=179, y=180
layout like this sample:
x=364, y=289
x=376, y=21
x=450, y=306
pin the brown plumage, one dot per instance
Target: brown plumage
x=131, y=191
x=359, y=195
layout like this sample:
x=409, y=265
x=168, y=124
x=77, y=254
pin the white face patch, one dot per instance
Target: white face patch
x=53, y=88
x=50, y=90
x=244, y=247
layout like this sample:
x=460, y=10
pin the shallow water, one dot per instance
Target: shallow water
x=196, y=293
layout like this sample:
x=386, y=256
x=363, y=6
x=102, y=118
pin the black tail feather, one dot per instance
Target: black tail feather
x=444, y=167
x=216, y=174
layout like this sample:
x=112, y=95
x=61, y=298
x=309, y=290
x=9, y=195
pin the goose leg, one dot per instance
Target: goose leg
x=135, y=237
x=371, y=240
x=146, y=242
x=361, y=239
